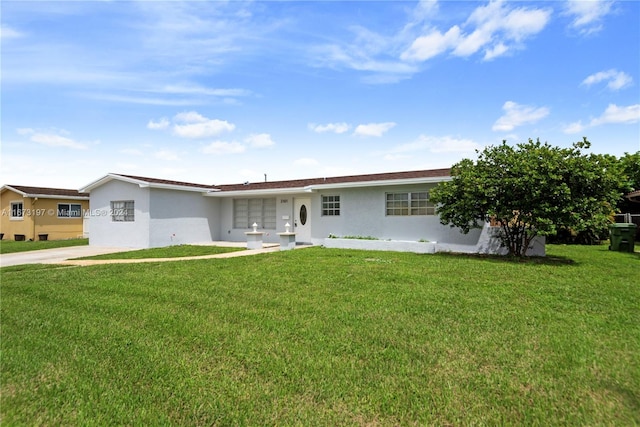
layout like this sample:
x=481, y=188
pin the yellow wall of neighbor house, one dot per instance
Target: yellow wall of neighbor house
x=40, y=216
x=10, y=227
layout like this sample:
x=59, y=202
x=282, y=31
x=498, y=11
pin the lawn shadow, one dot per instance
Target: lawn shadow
x=510, y=259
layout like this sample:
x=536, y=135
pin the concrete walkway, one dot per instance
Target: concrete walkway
x=63, y=256
x=54, y=256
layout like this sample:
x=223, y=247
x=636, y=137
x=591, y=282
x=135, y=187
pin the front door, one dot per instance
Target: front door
x=302, y=220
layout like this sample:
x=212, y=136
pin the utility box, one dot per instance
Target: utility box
x=622, y=237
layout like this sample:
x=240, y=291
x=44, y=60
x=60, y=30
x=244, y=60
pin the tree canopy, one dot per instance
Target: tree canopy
x=631, y=167
x=531, y=189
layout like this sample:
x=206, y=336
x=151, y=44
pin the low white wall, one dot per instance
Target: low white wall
x=488, y=243
x=381, y=245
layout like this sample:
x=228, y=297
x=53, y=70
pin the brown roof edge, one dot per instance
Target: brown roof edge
x=165, y=181
x=47, y=191
x=297, y=183
x=634, y=196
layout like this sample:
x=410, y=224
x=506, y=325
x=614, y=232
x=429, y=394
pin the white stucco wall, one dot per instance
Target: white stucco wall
x=103, y=231
x=363, y=213
x=182, y=217
x=166, y=217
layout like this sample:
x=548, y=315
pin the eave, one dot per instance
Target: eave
x=142, y=184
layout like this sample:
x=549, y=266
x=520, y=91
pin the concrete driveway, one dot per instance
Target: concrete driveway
x=55, y=256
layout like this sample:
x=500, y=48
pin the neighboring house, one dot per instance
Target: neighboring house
x=30, y=213
x=634, y=196
x=133, y=211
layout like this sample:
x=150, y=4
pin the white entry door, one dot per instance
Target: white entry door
x=302, y=220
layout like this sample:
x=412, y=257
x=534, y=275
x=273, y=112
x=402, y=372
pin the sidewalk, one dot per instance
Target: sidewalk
x=84, y=262
x=64, y=256
x=55, y=255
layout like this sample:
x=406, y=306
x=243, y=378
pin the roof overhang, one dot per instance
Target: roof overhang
x=381, y=183
x=634, y=196
x=43, y=196
x=334, y=186
x=142, y=184
x=251, y=193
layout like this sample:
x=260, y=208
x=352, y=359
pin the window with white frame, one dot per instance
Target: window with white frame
x=246, y=212
x=17, y=210
x=69, y=210
x=122, y=211
x=330, y=205
x=409, y=204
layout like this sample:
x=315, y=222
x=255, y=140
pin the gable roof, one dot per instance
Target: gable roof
x=149, y=182
x=350, y=181
x=289, y=186
x=46, y=192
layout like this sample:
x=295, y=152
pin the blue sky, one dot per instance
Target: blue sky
x=225, y=92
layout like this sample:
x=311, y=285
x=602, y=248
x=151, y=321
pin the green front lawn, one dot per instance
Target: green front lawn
x=168, y=252
x=11, y=246
x=325, y=337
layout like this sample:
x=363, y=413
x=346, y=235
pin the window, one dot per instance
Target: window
x=69, y=210
x=259, y=211
x=17, y=211
x=407, y=204
x=122, y=211
x=330, y=205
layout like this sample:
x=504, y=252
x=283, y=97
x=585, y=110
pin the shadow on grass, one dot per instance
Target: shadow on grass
x=509, y=259
x=32, y=267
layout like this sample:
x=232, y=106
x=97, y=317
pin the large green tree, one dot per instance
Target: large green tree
x=531, y=189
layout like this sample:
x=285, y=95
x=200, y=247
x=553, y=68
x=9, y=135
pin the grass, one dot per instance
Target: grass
x=167, y=252
x=11, y=246
x=325, y=337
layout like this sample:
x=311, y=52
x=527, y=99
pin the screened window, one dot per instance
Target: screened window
x=122, y=211
x=408, y=204
x=17, y=210
x=330, y=205
x=259, y=211
x=69, y=210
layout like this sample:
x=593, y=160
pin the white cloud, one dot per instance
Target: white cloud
x=200, y=90
x=615, y=114
x=588, y=14
x=52, y=139
x=430, y=45
x=166, y=155
x=260, y=140
x=223, y=147
x=139, y=99
x=190, y=117
x=436, y=144
x=373, y=129
x=9, y=33
x=330, y=127
x=163, y=123
x=305, y=161
x=517, y=115
x=612, y=115
x=575, y=127
x=25, y=131
x=197, y=126
x=131, y=152
x=496, y=28
x=615, y=79
x=498, y=50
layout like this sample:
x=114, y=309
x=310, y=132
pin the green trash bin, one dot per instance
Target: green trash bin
x=622, y=237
